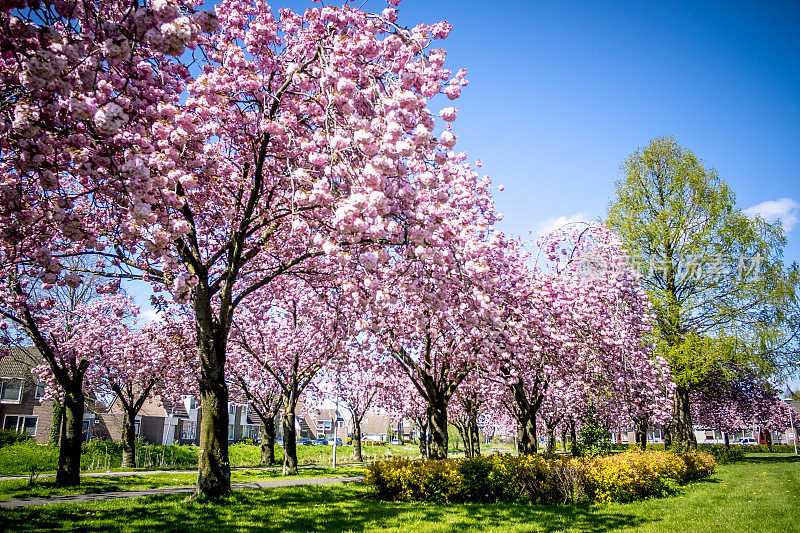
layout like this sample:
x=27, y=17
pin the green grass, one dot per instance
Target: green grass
x=18, y=489
x=17, y=459
x=759, y=494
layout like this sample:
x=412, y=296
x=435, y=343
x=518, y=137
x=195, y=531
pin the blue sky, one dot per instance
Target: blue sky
x=562, y=92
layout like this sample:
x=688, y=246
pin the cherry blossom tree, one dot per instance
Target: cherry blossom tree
x=256, y=386
x=135, y=364
x=302, y=134
x=290, y=335
x=70, y=340
x=357, y=385
x=575, y=324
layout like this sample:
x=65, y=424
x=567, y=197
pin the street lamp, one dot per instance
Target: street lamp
x=791, y=422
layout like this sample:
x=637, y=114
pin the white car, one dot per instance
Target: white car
x=747, y=441
x=396, y=442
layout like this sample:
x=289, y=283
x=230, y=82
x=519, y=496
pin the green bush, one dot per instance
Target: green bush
x=722, y=454
x=628, y=476
x=28, y=458
x=8, y=437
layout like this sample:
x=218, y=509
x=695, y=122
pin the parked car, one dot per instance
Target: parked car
x=338, y=441
x=304, y=442
x=397, y=442
x=320, y=442
x=747, y=441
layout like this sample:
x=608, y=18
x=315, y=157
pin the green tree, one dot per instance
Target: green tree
x=719, y=289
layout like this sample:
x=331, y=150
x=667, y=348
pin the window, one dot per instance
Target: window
x=39, y=393
x=21, y=424
x=11, y=390
x=188, y=430
x=230, y=432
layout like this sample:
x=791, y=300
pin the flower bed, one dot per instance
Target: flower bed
x=627, y=476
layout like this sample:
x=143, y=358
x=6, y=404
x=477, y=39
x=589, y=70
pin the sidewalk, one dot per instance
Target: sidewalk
x=83, y=498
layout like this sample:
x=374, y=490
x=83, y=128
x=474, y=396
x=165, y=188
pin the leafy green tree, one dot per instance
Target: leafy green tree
x=719, y=289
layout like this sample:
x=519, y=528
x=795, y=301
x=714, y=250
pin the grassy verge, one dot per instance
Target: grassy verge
x=18, y=489
x=21, y=458
x=760, y=494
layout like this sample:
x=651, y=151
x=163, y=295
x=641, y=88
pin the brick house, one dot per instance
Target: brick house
x=22, y=404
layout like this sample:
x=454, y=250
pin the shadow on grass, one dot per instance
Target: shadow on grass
x=309, y=508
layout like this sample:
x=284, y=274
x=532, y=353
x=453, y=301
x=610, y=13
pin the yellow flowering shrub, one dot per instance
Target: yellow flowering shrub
x=627, y=476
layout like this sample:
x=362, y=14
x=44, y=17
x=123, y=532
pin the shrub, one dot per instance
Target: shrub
x=27, y=457
x=8, y=437
x=722, y=454
x=634, y=475
x=627, y=476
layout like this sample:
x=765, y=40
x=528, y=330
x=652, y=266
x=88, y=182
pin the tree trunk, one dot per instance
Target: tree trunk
x=641, y=433
x=682, y=431
x=129, y=439
x=727, y=442
x=462, y=432
x=289, y=439
x=573, y=438
x=667, y=436
x=214, y=469
x=55, y=431
x=69, y=455
x=563, y=438
x=474, y=436
x=551, y=439
x=359, y=457
x=437, y=425
x=423, y=441
x=526, y=435
x=268, y=441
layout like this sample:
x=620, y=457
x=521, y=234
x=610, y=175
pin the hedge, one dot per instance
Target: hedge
x=627, y=476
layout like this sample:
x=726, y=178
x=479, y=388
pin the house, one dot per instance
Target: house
x=160, y=421
x=22, y=404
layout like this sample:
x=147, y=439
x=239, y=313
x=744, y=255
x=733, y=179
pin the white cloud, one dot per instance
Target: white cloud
x=551, y=224
x=785, y=210
x=149, y=315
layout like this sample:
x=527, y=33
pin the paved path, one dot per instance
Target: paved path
x=82, y=498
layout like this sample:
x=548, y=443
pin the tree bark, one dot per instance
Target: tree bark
x=641, y=433
x=526, y=435
x=563, y=439
x=69, y=456
x=526, y=418
x=668, y=436
x=474, y=436
x=214, y=469
x=727, y=442
x=289, y=439
x=58, y=415
x=573, y=438
x=462, y=432
x=682, y=430
x=359, y=457
x=423, y=441
x=268, y=441
x=551, y=439
x=129, y=439
x=437, y=425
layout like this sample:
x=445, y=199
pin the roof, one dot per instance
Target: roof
x=18, y=361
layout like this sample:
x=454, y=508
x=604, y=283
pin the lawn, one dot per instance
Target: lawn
x=18, y=488
x=759, y=494
x=18, y=459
